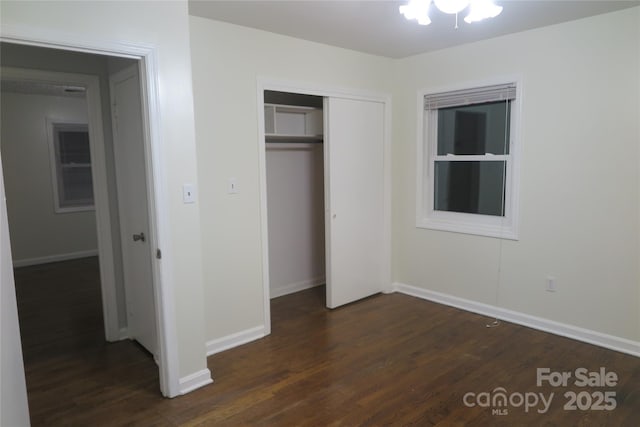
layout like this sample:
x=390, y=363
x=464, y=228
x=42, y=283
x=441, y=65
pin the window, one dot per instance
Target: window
x=468, y=161
x=71, y=167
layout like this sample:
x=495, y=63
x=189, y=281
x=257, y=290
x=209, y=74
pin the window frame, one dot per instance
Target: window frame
x=53, y=127
x=504, y=227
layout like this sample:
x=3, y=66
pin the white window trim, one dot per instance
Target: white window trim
x=51, y=125
x=506, y=227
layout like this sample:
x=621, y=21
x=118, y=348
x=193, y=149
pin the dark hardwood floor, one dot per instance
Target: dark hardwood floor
x=386, y=360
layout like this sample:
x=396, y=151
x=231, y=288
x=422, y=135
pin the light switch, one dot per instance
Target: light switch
x=232, y=186
x=188, y=193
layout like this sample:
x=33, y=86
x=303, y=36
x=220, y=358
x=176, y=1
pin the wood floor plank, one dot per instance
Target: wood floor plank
x=387, y=360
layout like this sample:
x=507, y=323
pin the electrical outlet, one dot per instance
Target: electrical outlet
x=551, y=284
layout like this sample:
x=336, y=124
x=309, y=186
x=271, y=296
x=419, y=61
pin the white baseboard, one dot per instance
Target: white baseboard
x=234, y=340
x=278, y=291
x=123, y=333
x=53, y=258
x=611, y=342
x=195, y=381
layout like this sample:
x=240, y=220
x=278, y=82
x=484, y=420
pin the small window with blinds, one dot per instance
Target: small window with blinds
x=71, y=167
x=469, y=161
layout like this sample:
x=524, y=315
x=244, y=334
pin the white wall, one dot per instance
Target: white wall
x=583, y=231
x=37, y=231
x=579, y=185
x=227, y=61
x=96, y=24
x=295, y=201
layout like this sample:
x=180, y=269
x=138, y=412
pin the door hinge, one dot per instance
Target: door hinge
x=158, y=254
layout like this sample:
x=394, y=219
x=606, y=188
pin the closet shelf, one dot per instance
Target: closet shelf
x=272, y=137
x=292, y=123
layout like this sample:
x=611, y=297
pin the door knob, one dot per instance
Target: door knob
x=137, y=237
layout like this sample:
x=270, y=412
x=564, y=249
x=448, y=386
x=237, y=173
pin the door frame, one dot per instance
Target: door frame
x=307, y=88
x=146, y=54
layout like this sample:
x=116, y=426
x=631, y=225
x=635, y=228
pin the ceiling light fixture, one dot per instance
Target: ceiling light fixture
x=478, y=9
x=482, y=9
x=451, y=6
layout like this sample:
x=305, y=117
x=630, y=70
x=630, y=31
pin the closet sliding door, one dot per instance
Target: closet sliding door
x=354, y=197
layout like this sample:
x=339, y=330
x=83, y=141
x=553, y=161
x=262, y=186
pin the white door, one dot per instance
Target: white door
x=128, y=141
x=354, y=194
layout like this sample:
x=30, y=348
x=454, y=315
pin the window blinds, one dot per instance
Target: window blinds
x=477, y=95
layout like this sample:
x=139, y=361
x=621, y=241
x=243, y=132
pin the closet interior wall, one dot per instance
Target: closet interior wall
x=295, y=191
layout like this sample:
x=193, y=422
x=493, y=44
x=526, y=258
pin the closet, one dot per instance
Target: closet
x=328, y=216
x=295, y=191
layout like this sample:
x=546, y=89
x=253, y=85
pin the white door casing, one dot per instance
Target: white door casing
x=133, y=205
x=355, y=199
x=167, y=356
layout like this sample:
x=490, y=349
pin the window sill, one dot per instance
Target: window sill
x=72, y=209
x=467, y=224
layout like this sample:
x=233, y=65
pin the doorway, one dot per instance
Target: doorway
x=352, y=137
x=295, y=191
x=68, y=156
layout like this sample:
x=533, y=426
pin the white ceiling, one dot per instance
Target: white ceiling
x=377, y=27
